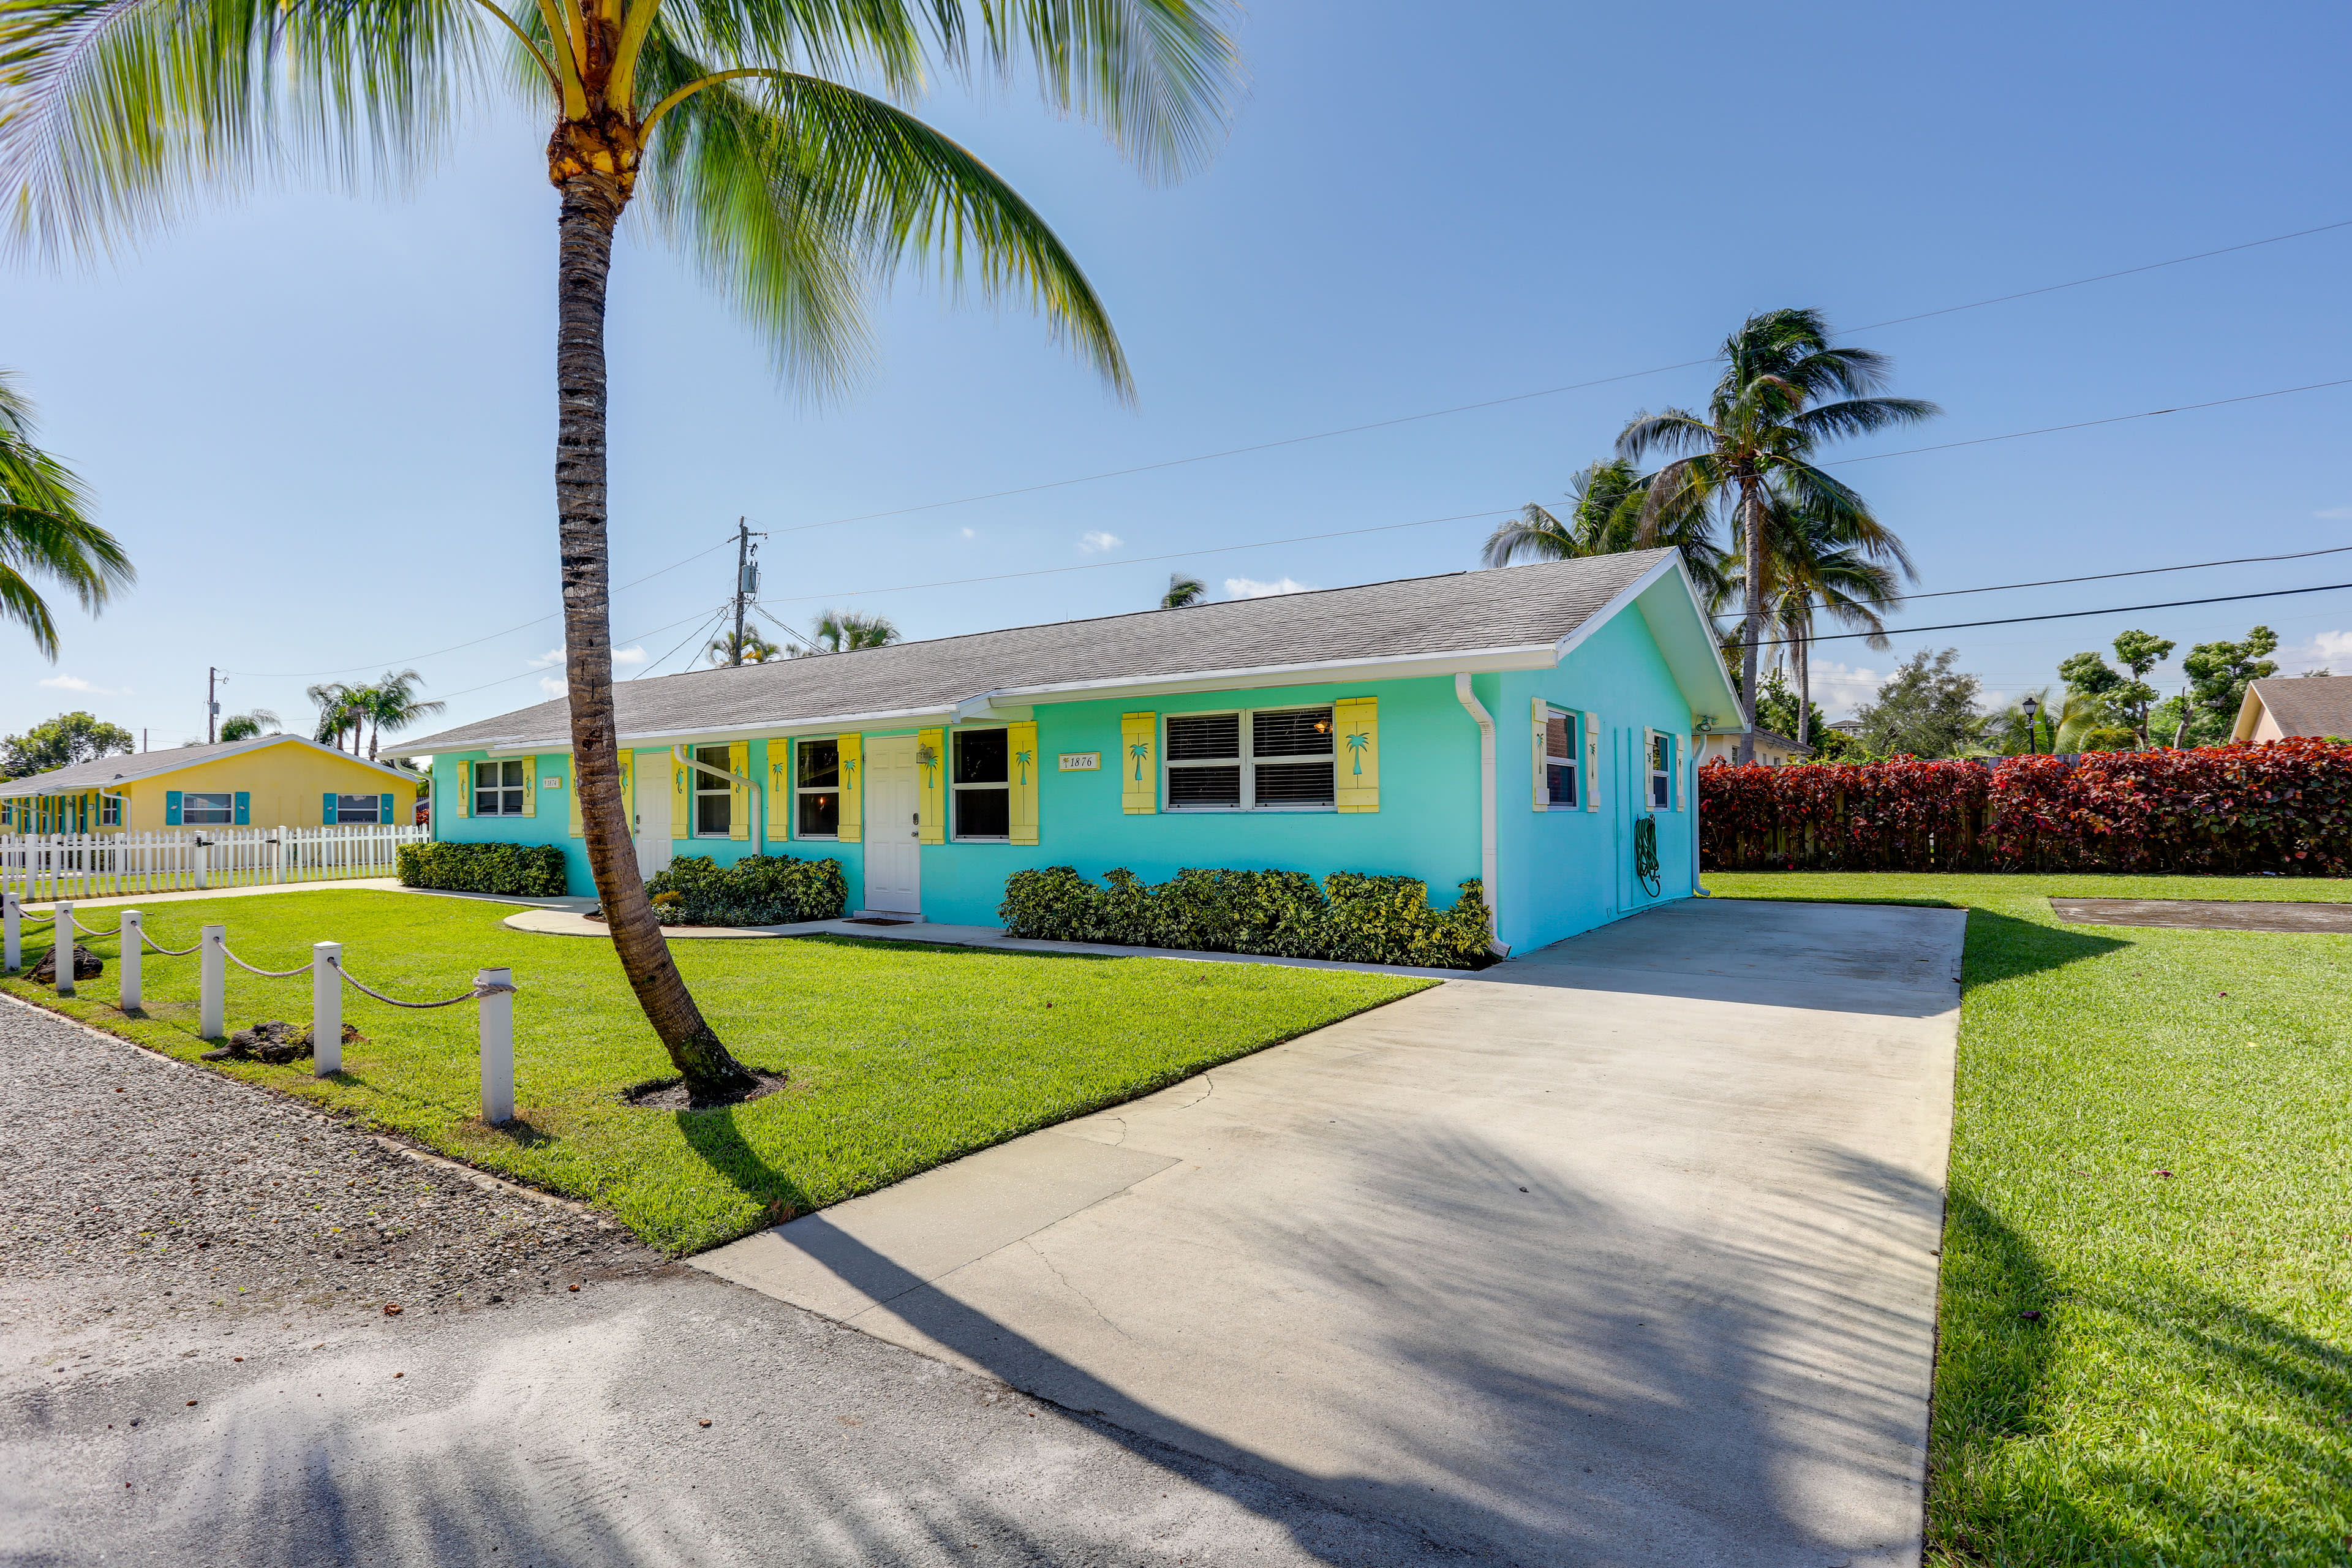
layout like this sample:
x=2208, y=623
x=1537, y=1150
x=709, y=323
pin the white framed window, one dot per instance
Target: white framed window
x=358, y=808
x=498, y=788
x=214, y=810
x=110, y=811
x=816, y=789
x=981, y=784
x=1269, y=759
x=714, y=794
x=1662, y=771
x=1560, y=781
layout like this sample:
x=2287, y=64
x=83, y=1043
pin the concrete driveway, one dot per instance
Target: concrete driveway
x=1622, y=1253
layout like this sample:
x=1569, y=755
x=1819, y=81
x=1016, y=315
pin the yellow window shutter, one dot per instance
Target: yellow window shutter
x=1356, y=723
x=739, y=803
x=1021, y=745
x=930, y=772
x=853, y=789
x=681, y=798
x=779, y=791
x=530, y=786
x=571, y=801
x=629, y=791
x=465, y=789
x=1543, y=751
x=1139, y=767
x=1592, y=762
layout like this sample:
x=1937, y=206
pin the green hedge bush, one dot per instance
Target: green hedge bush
x=757, y=890
x=1283, y=914
x=531, y=870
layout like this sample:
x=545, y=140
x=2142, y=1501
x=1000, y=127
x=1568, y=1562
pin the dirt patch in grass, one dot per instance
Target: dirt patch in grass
x=671, y=1094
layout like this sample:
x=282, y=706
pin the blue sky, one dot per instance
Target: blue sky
x=322, y=424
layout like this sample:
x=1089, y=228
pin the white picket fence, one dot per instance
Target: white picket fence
x=43, y=866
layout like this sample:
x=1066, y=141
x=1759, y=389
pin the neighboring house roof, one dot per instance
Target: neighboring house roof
x=2301, y=704
x=1512, y=618
x=112, y=772
x=1768, y=737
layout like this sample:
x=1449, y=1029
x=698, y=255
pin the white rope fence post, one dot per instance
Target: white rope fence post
x=326, y=1008
x=126, y=963
x=212, y=982
x=496, y=989
x=12, y=932
x=62, y=948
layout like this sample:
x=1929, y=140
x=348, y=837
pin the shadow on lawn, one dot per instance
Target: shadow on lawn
x=2002, y=947
x=714, y=1136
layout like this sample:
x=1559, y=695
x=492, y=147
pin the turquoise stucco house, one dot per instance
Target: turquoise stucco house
x=1518, y=726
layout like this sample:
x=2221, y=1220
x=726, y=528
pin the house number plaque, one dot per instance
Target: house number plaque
x=1081, y=762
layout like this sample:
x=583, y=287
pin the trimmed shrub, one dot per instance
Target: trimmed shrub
x=1282, y=915
x=530, y=871
x=2283, y=806
x=757, y=890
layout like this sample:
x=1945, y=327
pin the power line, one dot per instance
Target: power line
x=2086, y=424
x=453, y=647
x=1552, y=391
x=2093, y=577
x=2064, y=614
x=525, y=675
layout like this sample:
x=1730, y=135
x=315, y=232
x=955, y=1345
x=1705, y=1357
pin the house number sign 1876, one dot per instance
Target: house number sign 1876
x=1081, y=762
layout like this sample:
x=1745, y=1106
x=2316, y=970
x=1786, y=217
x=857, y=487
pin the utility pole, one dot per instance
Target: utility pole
x=746, y=580
x=212, y=705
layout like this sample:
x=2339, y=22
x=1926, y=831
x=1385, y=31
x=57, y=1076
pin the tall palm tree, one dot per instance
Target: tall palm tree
x=1784, y=393
x=1182, y=592
x=392, y=703
x=844, y=631
x=44, y=530
x=1605, y=519
x=342, y=711
x=1818, y=579
x=794, y=194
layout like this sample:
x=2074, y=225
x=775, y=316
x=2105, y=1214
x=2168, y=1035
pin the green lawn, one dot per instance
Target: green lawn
x=901, y=1056
x=2186, y=1397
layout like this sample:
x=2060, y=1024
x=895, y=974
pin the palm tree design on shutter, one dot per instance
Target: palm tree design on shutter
x=849, y=773
x=1140, y=750
x=927, y=757
x=1357, y=741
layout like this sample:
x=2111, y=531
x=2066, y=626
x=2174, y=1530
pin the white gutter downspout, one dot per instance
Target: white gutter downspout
x=1485, y=722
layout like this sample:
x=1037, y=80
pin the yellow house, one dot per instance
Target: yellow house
x=271, y=781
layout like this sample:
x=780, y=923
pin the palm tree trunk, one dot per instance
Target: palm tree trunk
x=591, y=206
x=1753, y=541
x=1803, y=653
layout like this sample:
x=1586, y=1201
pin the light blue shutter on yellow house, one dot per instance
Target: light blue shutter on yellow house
x=1357, y=721
x=1022, y=747
x=931, y=777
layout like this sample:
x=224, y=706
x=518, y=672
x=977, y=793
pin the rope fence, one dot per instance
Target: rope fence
x=493, y=989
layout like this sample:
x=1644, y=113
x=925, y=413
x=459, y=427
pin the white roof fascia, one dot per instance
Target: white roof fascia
x=22, y=789
x=823, y=724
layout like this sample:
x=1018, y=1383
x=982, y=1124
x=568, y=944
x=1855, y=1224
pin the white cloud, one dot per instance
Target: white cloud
x=972, y=534
x=1839, y=689
x=1251, y=588
x=552, y=685
x=629, y=655
x=76, y=683
x=1096, y=541
x=2335, y=513
x=554, y=656
x=2328, y=650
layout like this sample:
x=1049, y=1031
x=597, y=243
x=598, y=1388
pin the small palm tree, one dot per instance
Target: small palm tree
x=391, y=704
x=844, y=631
x=245, y=726
x=45, y=529
x=1817, y=579
x=794, y=194
x=1784, y=393
x=1182, y=592
x=757, y=649
x=1605, y=519
x=342, y=711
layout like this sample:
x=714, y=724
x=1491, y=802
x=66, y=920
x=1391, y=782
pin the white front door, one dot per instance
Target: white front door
x=894, y=860
x=653, y=818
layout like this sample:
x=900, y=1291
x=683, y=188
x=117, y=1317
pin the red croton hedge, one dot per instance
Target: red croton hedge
x=2284, y=806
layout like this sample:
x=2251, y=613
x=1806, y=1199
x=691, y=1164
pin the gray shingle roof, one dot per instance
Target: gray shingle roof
x=1461, y=612
x=2309, y=704
x=106, y=773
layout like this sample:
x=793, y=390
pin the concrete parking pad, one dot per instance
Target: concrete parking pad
x=2205, y=914
x=1621, y=1252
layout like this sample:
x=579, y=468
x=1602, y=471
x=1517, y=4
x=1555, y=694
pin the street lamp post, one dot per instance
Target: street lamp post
x=2032, y=735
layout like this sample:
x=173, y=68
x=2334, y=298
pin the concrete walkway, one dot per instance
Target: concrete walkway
x=1624, y=1252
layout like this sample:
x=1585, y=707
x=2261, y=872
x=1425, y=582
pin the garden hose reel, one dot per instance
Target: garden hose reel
x=1645, y=854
